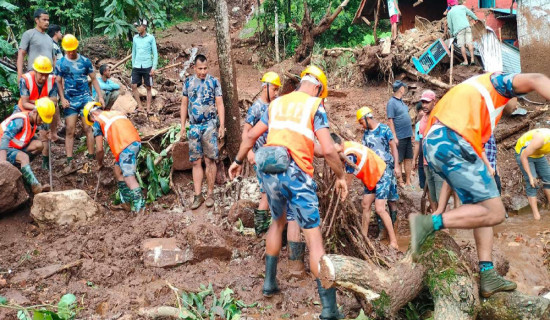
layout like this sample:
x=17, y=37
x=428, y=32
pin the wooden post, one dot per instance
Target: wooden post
x=228, y=79
x=277, y=58
x=376, y=19
x=452, y=62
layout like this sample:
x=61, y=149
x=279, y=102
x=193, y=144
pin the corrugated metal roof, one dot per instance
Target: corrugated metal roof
x=503, y=11
x=511, y=61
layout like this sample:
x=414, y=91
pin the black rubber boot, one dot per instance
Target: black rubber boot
x=296, y=251
x=261, y=221
x=328, y=300
x=270, y=282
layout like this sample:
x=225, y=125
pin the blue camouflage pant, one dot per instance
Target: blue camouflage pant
x=386, y=188
x=77, y=105
x=293, y=190
x=539, y=169
x=454, y=159
x=203, y=141
x=127, y=160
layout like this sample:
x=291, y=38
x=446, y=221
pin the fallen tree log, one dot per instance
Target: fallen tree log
x=504, y=134
x=425, y=77
x=441, y=269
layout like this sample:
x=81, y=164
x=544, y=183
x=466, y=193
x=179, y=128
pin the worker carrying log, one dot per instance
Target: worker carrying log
x=125, y=143
x=285, y=164
x=18, y=144
x=531, y=149
x=459, y=125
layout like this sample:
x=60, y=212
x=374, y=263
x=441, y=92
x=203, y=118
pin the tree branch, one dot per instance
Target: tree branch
x=328, y=19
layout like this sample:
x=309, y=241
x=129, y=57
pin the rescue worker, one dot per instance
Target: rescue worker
x=72, y=73
x=458, y=126
x=33, y=86
x=125, y=143
x=531, y=149
x=285, y=164
x=379, y=138
x=18, y=144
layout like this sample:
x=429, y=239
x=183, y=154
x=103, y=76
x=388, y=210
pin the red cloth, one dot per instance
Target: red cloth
x=394, y=19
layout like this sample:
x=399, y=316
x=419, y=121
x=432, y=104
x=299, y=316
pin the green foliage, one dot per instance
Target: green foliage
x=8, y=81
x=206, y=305
x=419, y=308
x=66, y=309
x=362, y=316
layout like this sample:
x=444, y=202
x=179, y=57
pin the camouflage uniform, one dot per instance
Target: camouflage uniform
x=254, y=115
x=203, y=116
x=75, y=75
x=14, y=127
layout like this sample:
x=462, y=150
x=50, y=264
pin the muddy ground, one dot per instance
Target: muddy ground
x=112, y=281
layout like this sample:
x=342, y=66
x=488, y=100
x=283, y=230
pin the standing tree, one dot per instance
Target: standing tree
x=228, y=78
x=309, y=31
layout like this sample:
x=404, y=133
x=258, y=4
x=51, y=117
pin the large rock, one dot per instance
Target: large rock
x=63, y=207
x=207, y=242
x=244, y=210
x=12, y=189
x=125, y=103
x=180, y=155
x=164, y=252
x=143, y=92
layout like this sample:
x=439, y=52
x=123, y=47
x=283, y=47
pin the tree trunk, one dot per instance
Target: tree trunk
x=228, y=79
x=376, y=19
x=277, y=58
x=442, y=270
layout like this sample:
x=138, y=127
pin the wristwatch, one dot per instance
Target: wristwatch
x=240, y=163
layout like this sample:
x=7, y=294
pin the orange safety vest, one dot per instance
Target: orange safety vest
x=30, y=81
x=472, y=109
x=118, y=130
x=370, y=167
x=23, y=137
x=291, y=126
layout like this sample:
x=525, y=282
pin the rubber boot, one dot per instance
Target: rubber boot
x=491, y=282
x=30, y=179
x=125, y=196
x=393, y=216
x=138, y=202
x=45, y=163
x=261, y=221
x=270, y=282
x=328, y=301
x=296, y=251
x=421, y=227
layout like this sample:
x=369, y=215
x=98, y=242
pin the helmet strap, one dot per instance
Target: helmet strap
x=268, y=97
x=319, y=91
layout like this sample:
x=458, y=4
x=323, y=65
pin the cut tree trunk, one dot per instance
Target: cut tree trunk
x=228, y=79
x=441, y=269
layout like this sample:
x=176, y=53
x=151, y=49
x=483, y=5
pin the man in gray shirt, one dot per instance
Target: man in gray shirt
x=401, y=126
x=35, y=42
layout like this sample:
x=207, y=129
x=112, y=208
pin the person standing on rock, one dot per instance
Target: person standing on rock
x=17, y=142
x=35, y=42
x=34, y=85
x=72, y=73
x=394, y=13
x=459, y=27
x=125, y=143
x=531, y=149
x=110, y=90
x=458, y=126
x=379, y=138
x=202, y=102
x=144, y=63
x=285, y=164
x=401, y=127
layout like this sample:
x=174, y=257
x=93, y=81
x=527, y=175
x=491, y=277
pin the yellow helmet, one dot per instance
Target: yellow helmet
x=45, y=108
x=69, y=42
x=320, y=75
x=42, y=64
x=88, y=108
x=272, y=77
x=364, y=112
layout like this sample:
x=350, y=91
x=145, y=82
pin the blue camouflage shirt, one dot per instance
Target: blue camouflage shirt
x=13, y=128
x=202, y=98
x=503, y=84
x=75, y=73
x=379, y=141
x=254, y=115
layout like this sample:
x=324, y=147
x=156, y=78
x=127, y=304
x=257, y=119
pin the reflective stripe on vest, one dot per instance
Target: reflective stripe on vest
x=493, y=113
x=363, y=153
x=34, y=95
x=108, y=122
x=25, y=135
x=301, y=126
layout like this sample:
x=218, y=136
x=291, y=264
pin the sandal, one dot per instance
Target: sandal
x=209, y=202
x=463, y=64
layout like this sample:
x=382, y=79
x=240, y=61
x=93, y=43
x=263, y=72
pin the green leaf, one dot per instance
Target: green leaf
x=66, y=306
x=45, y=315
x=362, y=316
x=3, y=300
x=164, y=185
x=23, y=315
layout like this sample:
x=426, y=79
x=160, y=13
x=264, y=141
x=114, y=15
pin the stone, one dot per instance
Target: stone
x=143, y=92
x=207, y=242
x=244, y=210
x=63, y=207
x=125, y=103
x=12, y=189
x=180, y=156
x=235, y=9
x=164, y=252
x=204, y=28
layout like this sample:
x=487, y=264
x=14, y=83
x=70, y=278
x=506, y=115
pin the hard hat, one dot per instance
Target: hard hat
x=69, y=42
x=272, y=77
x=45, y=108
x=42, y=64
x=89, y=108
x=364, y=112
x=320, y=75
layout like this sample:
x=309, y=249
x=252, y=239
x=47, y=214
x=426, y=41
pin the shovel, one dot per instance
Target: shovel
x=97, y=185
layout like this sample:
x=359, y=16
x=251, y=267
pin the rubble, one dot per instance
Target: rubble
x=63, y=207
x=243, y=210
x=13, y=193
x=164, y=252
x=180, y=156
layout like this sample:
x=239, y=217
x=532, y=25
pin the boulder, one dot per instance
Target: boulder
x=125, y=103
x=180, y=155
x=244, y=210
x=143, y=92
x=207, y=242
x=12, y=189
x=63, y=207
x=164, y=252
